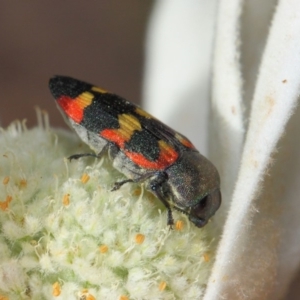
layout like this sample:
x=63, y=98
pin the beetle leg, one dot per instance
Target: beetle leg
x=118, y=184
x=76, y=156
x=157, y=189
x=181, y=210
x=142, y=178
x=99, y=155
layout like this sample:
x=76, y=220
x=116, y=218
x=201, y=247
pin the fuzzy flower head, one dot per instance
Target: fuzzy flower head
x=65, y=235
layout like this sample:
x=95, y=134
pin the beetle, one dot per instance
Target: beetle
x=141, y=147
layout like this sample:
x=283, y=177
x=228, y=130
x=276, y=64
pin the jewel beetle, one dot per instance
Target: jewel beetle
x=141, y=147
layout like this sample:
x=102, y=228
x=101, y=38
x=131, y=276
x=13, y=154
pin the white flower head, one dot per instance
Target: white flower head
x=66, y=235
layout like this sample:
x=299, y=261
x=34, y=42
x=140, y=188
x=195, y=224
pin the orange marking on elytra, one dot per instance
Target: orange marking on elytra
x=184, y=141
x=160, y=164
x=167, y=156
x=128, y=124
x=114, y=136
x=71, y=108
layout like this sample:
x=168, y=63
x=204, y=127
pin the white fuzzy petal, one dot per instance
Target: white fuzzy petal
x=177, y=81
x=227, y=129
x=246, y=265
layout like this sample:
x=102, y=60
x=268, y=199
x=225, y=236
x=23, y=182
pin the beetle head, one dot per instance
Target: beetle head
x=194, y=184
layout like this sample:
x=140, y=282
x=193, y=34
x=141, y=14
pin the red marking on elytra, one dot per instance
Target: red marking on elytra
x=71, y=108
x=114, y=136
x=161, y=163
x=184, y=141
x=167, y=156
x=187, y=143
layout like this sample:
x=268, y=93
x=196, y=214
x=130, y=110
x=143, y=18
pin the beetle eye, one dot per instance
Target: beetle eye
x=205, y=208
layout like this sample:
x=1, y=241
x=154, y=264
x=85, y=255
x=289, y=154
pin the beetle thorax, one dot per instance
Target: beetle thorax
x=191, y=178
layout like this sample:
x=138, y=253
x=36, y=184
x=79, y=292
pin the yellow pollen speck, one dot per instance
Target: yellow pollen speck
x=179, y=225
x=3, y=297
x=85, y=295
x=23, y=183
x=66, y=200
x=122, y=297
x=139, y=238
x=162, y=286
x=4, y=204
x=56, y=289
x=137, y=192
x=103, y=249
x=206, y=257
x=151, y=197
x=5, y=181
x=85, y=178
